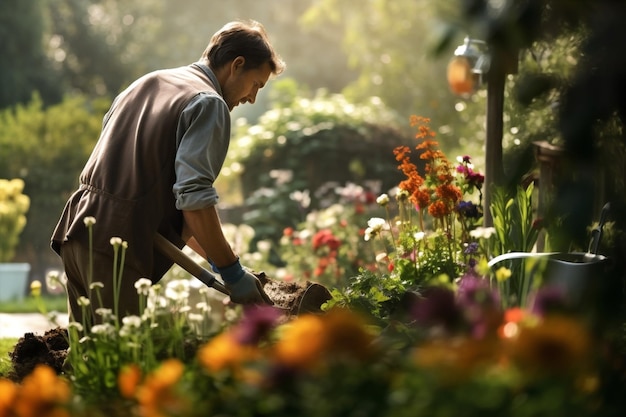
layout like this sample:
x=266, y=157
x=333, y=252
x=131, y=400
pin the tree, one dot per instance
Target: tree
x=47, y=149
x=24, y=68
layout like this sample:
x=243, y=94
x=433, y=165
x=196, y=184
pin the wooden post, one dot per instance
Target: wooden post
x=502, y=63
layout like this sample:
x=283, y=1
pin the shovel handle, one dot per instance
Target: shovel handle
x=180, y=258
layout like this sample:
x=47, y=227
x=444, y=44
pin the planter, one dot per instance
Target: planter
x=13, y=280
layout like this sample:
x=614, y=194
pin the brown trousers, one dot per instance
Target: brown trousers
x=75, y=258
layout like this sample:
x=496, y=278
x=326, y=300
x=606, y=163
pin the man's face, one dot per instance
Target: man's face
x=241, y=86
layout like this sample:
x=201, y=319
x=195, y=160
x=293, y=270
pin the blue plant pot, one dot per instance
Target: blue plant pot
x=13, y=281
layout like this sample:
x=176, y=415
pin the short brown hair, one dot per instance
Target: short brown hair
x=242, y=38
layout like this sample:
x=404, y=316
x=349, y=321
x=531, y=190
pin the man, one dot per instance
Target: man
x=162, y=145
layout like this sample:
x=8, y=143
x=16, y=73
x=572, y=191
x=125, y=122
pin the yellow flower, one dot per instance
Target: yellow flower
x=35, y=288
x=503, y=273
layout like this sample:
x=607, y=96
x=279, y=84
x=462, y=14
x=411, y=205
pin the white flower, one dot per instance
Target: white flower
x=103, y=329
x=105, y=313
x=54, y=279
x=83, y=301
x=84, y=339
x=381, y=257
x=116, y=241
x=375, y=226
x=76, y=325
x=382, y=200
x=203, y=307
x=483, y=232
x=143, y=286
x=89, y=221
x=96, y=284
x=177, y=290
x=419, y=236
x=132, y=321
x=195, y=318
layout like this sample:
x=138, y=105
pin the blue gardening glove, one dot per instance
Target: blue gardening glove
x=243, y=286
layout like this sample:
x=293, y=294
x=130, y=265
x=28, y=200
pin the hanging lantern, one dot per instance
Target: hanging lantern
x=468, y=67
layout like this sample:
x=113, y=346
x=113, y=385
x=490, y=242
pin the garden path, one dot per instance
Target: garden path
x=16, y=325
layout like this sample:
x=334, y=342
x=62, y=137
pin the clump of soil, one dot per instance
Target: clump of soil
x=295, y=297
x=32, y=350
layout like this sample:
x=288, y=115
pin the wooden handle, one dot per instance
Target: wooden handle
x=179, y=257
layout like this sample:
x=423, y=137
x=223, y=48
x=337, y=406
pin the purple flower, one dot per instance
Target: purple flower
x=437, y=307
x=546, y=299
x=480, y=304
x=256, y=323
x=468, y=209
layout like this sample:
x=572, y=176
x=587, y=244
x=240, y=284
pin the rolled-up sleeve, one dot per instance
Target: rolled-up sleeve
x=203, y=137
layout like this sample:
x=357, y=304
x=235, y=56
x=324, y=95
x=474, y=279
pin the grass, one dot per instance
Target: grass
x=6, y=346
x=29, y=304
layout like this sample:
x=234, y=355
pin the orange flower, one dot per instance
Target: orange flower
x=310, y=340
x=128, y=380
x=158, y=396
x=457, y=358
x=555, y=344
x=224, y=352
x=302, y=342
x=8, y=394
x=42, y=394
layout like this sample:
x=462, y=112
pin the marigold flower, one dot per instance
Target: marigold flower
x=8, y=393
x=42, y=393
x=301, y=343
x=158, y=395
x=128, y=380
x=225, y=352
x=556, y=344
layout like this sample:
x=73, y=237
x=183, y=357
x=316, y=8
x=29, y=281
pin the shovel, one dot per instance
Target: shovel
x=292, y=298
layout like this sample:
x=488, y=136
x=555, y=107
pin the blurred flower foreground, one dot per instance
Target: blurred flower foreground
x=419, y=325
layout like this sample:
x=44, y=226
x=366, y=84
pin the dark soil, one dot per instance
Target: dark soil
x=293, y=297
x=51, y=348
x=32, y=350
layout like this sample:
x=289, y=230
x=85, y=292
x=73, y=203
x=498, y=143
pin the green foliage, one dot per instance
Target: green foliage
x=47, y=147
x=6, y=346
x=516, y=231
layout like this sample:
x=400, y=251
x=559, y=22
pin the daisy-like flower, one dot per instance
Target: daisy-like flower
x=116, y=241
x=76, y=325
x=102, y=329
x=375, y=226
x=143, y=286
x=382, y=200
x=54, y=279
x=177, y=290
x=83, y=301
x=105, y=313
x=483, y=232
x=89, y=221
x=95, y=285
